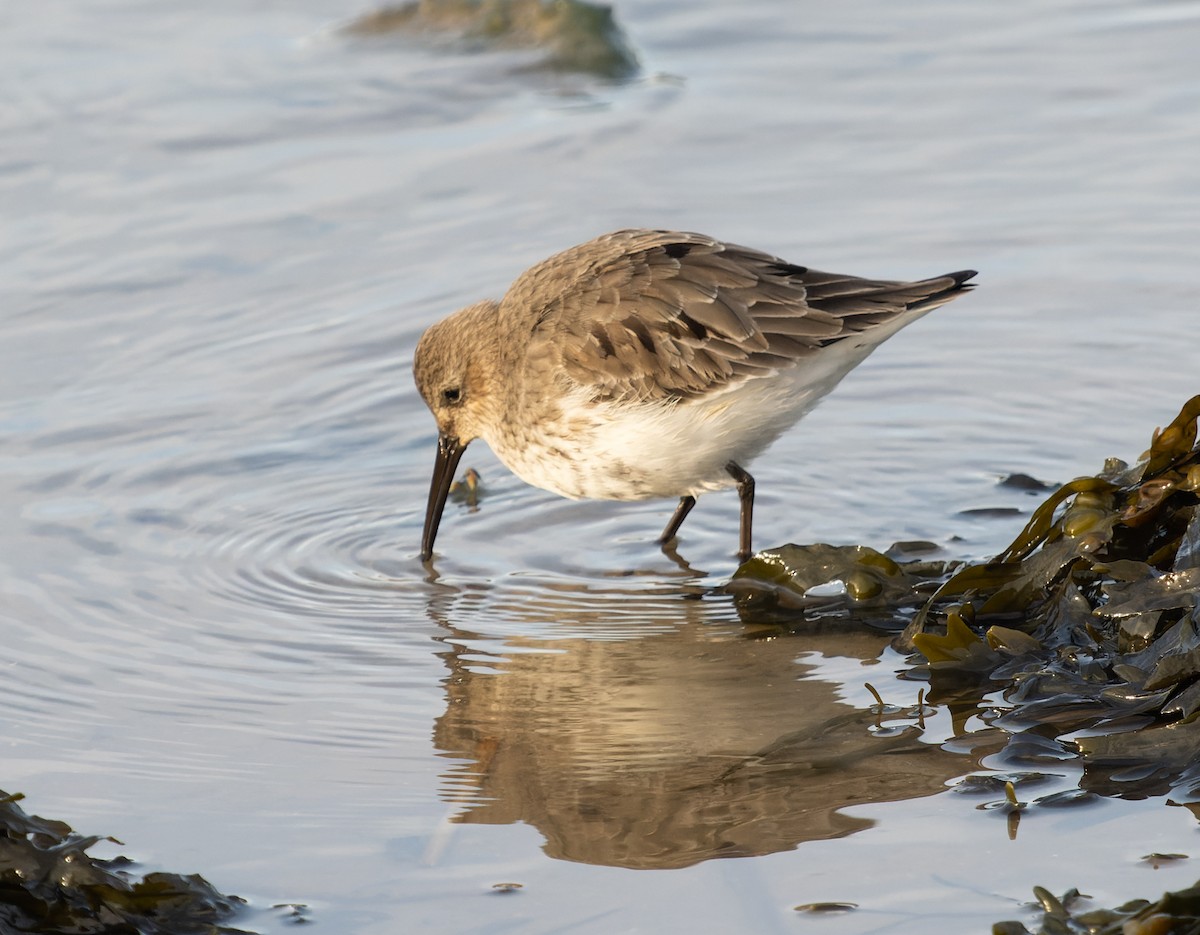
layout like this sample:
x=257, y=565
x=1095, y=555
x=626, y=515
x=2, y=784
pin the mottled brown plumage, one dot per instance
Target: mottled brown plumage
x=650, y=364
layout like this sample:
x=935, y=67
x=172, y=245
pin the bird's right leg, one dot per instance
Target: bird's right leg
x=745, y=489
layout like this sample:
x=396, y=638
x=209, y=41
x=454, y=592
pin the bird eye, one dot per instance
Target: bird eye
x=451, y=395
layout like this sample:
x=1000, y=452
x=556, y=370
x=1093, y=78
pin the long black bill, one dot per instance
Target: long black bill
x=449, y=451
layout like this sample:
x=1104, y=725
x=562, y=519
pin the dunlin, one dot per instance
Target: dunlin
x=651, y=363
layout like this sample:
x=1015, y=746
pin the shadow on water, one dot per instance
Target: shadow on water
x=690, y=742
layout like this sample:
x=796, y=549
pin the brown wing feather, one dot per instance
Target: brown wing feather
x=667, y=314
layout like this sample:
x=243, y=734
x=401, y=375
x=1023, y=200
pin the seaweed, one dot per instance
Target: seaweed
x=1085, y=626
x=1089, y=619
x=50, y=884
x=1176, y=913
x=469, y=490
x=852, y=581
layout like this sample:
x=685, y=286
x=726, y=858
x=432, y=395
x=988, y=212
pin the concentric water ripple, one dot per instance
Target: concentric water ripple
x=354, y=565
x=325, y=562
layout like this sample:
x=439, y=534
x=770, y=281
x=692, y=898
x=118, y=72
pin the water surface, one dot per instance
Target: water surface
x=225, y=230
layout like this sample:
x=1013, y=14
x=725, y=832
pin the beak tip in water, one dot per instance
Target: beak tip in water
x=449, y=452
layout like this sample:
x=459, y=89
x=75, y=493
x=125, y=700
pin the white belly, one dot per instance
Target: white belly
x=640, y=451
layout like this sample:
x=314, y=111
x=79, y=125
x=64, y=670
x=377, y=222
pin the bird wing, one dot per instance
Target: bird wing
x=650, y=315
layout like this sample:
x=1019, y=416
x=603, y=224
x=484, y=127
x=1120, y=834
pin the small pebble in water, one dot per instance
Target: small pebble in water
x=821, y=908
x=1024, y=482
x=1157, y=860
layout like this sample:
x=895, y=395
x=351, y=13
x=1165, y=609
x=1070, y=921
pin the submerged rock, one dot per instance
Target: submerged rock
x=574, y=34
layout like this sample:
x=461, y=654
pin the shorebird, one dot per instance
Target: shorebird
x=651, y=363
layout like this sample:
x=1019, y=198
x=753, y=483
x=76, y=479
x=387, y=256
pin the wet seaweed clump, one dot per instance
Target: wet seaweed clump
x=1176, y=913
x=574, y=35
x=852, y=582
x=49, y=884
x=1088, y=622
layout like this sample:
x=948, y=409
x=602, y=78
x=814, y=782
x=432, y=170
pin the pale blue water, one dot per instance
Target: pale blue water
x=223, y=232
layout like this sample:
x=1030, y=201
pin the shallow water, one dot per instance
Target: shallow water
x=224, y=231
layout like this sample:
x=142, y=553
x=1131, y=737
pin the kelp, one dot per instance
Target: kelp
x=50, y=884
x=573, y=35
x=853, y=581
x=1129, y=533
x=1176, y=913
x=1089, y=618
x=1088, y=621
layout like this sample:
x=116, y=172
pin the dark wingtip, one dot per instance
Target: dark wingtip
x=943, y=294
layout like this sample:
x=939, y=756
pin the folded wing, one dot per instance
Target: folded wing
x=650, y=315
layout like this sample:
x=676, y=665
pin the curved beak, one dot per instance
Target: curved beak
x=449, y=451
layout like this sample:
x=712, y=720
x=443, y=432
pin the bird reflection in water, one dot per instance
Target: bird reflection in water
x=645, y=730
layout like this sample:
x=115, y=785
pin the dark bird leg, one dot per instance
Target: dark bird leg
x=745, y=489
x=677, y=518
